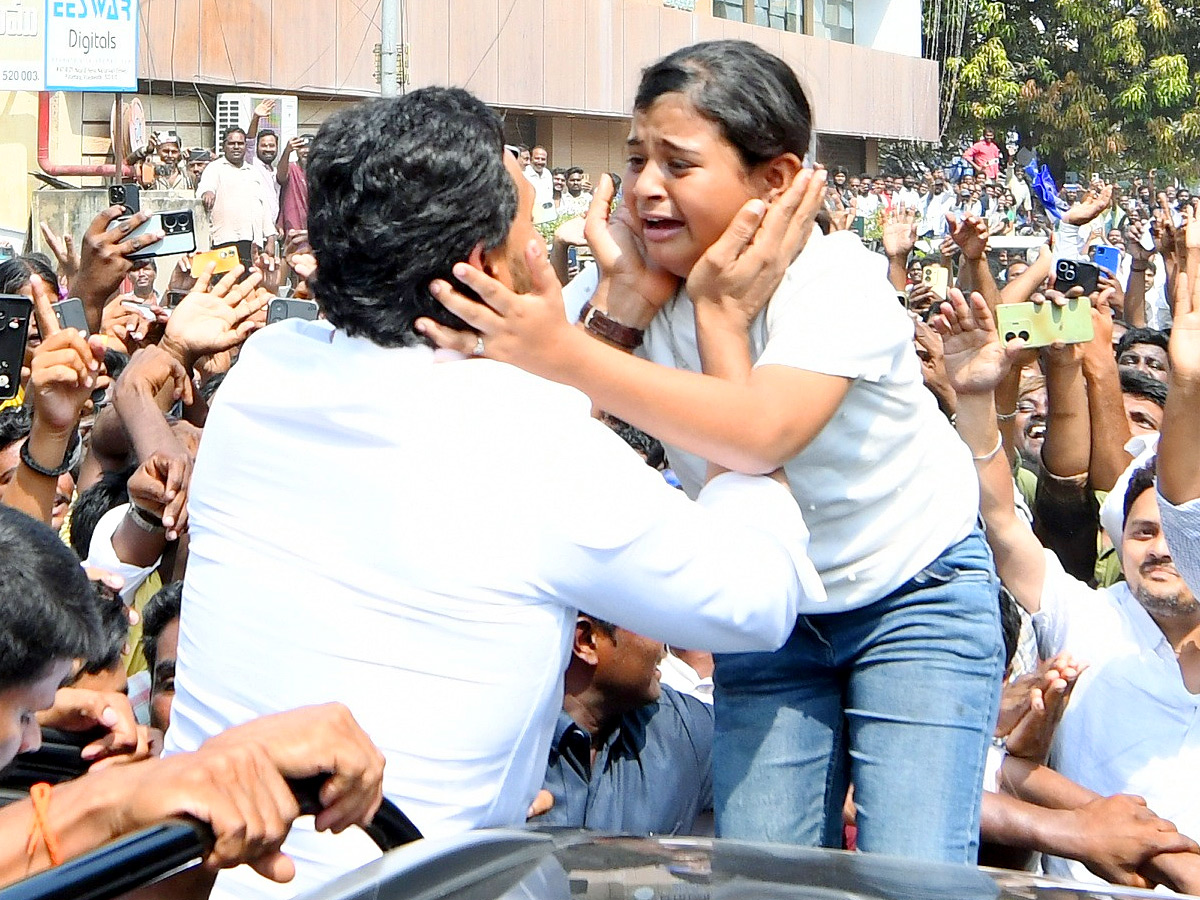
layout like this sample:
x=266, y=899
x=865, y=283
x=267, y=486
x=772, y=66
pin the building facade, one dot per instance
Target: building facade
x=561, y=72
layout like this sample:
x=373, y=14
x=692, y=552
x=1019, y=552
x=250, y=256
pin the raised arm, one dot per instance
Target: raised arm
x=971, y=236
x=1065, y=513
x=975, y=363
x=1106, y=407
x=66, y=368
x=899, y=238
x=261, y=111
x=1179, y=448
x=283, y=170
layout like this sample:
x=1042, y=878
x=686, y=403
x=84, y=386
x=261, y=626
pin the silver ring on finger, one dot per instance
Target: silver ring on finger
x=478, y=351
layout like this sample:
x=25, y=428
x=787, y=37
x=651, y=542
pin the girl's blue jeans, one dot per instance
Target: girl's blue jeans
x=898, y=697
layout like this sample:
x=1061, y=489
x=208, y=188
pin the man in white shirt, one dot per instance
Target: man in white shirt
x=1129, y=728
x=907, y=196
x=412, y=532
x=939, y=202
x=234, y=195
x=266, y=152
x=542, y=179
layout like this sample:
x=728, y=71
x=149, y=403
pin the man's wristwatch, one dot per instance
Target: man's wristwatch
x=145, y=520
x=601, y=325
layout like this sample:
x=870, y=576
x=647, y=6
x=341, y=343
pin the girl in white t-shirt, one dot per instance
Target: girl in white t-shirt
x=892, y=683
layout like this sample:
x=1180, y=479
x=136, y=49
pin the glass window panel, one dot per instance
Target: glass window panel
x=729, y=9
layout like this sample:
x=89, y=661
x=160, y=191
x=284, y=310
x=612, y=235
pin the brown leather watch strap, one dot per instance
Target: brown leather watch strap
x=599, y=324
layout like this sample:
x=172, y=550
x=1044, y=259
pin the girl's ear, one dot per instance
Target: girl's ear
x=777, y=175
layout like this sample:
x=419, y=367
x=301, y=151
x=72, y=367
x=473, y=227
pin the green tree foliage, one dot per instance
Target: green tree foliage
x=1111, y=85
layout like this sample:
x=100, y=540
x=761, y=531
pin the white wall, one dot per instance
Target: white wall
x=890, y=25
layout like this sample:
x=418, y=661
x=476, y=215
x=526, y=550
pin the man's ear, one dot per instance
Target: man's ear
x=777, y=175
x=478, y=259
x=485, y=260
x=584, y=646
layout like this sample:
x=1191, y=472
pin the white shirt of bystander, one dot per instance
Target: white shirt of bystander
x=412, y=536
x=241, y=211
x=1130, y=727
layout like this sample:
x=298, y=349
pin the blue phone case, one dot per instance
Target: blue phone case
x=1108, y=258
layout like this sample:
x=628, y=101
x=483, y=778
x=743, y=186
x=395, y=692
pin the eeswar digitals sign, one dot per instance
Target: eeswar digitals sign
x=91, y=45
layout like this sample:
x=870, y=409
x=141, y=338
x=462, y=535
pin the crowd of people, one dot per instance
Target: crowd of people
x=728, y=523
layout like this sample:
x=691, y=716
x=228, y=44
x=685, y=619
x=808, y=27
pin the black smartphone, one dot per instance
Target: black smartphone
x=15, y=312
x=290, y=308
x=126, y=195
x=245, y=252
x=1070, y=273
x=70, y=314
x=177, y=227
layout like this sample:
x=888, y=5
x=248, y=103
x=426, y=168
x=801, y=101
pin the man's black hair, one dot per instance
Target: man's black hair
x=400, y=189
x=160, y=611
x=267, y=132
x=91, y=505
x=574, y=170
x=1139, y=384
x=1010, y=625
x=649, y=448
x=15, y=424
x=208, y=389
x=1141, y=481
x=115, y=362
x=607, y=628
x=1141, y=336
x=114, y=631
x=47, y=605
x=233, y=130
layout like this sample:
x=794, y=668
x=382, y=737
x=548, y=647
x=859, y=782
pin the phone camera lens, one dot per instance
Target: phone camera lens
x=1024, y=335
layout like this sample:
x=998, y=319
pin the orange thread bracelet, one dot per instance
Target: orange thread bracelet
x=39, y=829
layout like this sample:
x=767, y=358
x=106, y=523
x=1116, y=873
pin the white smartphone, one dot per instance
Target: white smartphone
x=1147, y=239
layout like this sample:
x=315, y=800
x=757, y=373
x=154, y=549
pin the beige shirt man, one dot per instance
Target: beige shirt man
x=233, y=193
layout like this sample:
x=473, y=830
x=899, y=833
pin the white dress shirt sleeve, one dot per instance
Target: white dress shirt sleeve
x=102, y=554
x=210, y=179
x=725, y=574
x=1181, y=526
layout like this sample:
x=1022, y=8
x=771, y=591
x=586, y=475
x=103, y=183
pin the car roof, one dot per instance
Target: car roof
x=570, y=864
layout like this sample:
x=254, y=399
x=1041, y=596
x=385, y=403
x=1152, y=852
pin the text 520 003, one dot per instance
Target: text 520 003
x=19, y=74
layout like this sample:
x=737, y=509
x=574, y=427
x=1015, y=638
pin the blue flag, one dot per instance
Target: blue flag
x=1045, y=189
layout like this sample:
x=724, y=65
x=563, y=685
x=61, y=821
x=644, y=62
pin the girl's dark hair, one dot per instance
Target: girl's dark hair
x=753, y=96
x=17, y=272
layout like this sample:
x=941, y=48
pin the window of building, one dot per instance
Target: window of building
x=729, y=9
x=786, y=15
x=834, y=20
x=781, y=14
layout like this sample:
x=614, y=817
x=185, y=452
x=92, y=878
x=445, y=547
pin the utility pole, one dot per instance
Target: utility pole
x=389, y=26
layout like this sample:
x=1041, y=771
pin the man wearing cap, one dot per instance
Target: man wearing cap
x=169, y=174
x=197, y=161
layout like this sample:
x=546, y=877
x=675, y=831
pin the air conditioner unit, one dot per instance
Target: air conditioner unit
x=235, y=110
